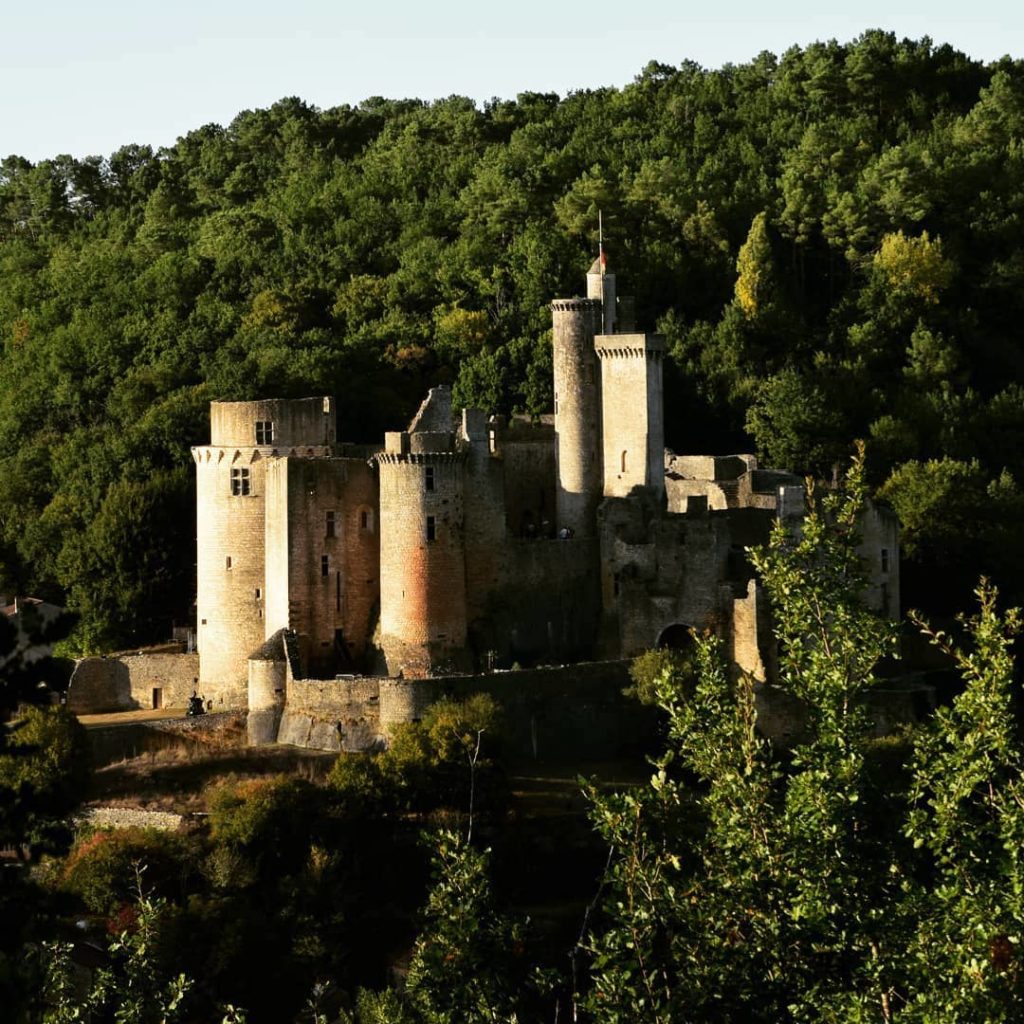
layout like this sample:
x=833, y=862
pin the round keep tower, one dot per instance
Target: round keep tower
x=231, y=477
x=577, y=413
x=422, y=555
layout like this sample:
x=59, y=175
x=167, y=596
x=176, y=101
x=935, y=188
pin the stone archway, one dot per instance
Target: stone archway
x=677, y=636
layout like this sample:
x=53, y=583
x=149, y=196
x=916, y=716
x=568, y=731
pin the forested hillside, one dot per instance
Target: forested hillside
x=831, y=241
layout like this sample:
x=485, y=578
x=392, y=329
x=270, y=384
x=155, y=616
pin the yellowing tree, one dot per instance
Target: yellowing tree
x=755, y=283
x=913, y=267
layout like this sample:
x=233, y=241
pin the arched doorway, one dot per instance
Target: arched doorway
x=676, y=637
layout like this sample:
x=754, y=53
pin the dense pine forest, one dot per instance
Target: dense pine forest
x=831, y=240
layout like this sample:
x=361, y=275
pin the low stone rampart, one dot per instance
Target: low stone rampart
x=130, y=682
x=572, y=712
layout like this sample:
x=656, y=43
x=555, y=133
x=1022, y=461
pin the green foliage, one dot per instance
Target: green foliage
x=260, y=826
x=967, y=819
x=768, y=908
x=648, y=668
x=853, y=879
x=47, y=761
x=103, y=868
x=469, y=964
x=443, y=760
x=370, y=251
x=132, y=988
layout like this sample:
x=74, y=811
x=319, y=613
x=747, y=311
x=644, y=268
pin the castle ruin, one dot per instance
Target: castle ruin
x=468, y=542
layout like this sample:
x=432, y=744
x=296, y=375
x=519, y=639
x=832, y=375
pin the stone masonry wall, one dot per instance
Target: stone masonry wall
x=572, y=712
x=315, y=511
x=127, y=682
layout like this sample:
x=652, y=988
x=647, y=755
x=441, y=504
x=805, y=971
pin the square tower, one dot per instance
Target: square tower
x=632, y=412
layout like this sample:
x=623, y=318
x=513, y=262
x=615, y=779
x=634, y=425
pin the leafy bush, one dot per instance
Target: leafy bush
x=270, y=822
x=107, y=868
x=45, y=773
x=646, y=669
x=429, y=764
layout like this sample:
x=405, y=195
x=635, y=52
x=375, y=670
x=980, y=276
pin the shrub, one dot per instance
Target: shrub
x=105, y=869
x=647, y=668
x=270, y=821
x=49, y=752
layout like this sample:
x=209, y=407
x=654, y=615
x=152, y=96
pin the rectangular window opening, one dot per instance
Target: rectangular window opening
x=259, y=593
x=264, y=432
x=337, y=592
x=239, y=480
x=325, y=565
x=330, y=524
x=227, y=562
x=429, y=478
x=431, y=528
x=885, y=559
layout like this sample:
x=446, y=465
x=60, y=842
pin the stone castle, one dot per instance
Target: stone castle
x=467, y=542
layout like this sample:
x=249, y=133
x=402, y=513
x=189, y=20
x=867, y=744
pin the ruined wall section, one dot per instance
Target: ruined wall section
x=527, y=454
x=661, y=571
x=558, y=714
x=322, y=558
x=880, y=550
x=632, y=412
x=577, y=413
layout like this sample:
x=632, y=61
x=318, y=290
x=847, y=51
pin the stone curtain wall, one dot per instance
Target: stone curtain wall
x=127, y=683
x=574, y=712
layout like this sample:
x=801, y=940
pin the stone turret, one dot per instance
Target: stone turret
x=423, y=572
x=577, y=413
x=230, y=524
x=601, y=286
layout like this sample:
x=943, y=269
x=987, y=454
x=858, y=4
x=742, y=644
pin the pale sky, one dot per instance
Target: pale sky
x=88, y=76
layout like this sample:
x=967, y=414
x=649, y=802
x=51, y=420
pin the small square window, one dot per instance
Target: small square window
x=329, y=524
x=239, y=480
x=325, y=565
x=431, y=528
x=264, y=432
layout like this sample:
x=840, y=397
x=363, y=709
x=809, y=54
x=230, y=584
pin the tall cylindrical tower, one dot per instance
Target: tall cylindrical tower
x=422, y=557
x=577, y=413
x=231, y=478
